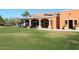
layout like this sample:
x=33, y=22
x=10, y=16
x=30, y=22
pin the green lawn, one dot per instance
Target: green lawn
x=12, y=38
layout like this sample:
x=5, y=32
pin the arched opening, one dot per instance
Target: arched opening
x=34, y=23
x=44, y=23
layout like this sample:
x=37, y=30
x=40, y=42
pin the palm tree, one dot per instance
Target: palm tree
x=25, y=14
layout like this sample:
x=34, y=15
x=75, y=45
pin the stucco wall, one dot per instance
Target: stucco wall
x=67, y=15
x=54, y=22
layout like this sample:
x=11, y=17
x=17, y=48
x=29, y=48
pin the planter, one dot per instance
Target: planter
x=66, y=28
x=77, y=28
x=28, y=27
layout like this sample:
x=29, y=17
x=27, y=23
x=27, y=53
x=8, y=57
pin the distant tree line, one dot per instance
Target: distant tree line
x=13, y=21
x=9, y=21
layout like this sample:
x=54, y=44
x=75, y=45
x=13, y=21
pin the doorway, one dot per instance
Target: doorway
x=70, y=24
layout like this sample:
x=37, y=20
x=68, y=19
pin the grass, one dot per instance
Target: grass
x=12, y=38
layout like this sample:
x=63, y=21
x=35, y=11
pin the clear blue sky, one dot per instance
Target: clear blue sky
x=8, y=13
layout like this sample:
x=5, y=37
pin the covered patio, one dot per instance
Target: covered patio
x=40, y=22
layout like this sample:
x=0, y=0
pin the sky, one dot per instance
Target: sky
x=8, y=13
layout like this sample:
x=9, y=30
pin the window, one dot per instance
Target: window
x=75, y=22
x=65, y=22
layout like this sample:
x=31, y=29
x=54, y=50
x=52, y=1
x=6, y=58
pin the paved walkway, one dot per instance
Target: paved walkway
x=70, y=30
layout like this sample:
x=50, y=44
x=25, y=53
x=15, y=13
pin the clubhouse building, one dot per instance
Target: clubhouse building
x=55, y=20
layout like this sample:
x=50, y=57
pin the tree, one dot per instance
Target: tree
x=12, y=21
x=2, y=21
x=25, y=14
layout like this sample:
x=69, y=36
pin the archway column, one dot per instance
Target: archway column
x=49, y=26
x=29, y=22
x=39, y=23
x=67, y=24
